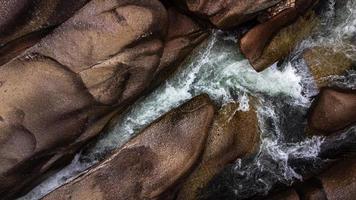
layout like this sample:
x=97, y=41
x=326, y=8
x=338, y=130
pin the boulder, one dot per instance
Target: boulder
x=234, y=135
x=325, y=62
x=184, y=34
x=225, y=14
x=339, y=181
x=29, y=21
x=62, y=92
x=274, y=39
x=332, y=111
x=149, y=165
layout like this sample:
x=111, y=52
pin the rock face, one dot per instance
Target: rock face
x=62, y=91
x=21, y=17
x=28, y=20
x=339, y=182
x=183, y=36
x=234, y=134
x=325, y=62
x=226, y=14
x=275, y=38
x=333, y=111
x=149, y=165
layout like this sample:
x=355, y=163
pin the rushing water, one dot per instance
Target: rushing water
x=218, y=69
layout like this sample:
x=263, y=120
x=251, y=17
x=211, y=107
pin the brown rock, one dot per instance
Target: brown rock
x=289, y=194
x=325, y=62
x=63, y=91
x=225, y=14
x=234, y=135
x=339, y=181
x=274, y=39
x=28, y=20
x=150, y=164
x=332, y=111
x=183, y=36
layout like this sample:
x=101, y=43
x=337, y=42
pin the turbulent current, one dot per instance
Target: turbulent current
x=283, y=91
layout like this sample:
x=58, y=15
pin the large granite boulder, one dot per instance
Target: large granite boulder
x=183, y=35
x=234, y=135
x=325, y=62
x=62, y=92
x=225, y=14
x=275, y=38
x=25, y=22
x=332, y=111
x=151, y=164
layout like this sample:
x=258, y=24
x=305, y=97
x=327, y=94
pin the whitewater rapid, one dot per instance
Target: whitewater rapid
x=218, y=69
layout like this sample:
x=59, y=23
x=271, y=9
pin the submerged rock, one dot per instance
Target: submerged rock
x=150, y=164
x=234, y=135
x=332, y=111
x=28, y=21
x=227, y=14
x=326, y=62
x=275, y=38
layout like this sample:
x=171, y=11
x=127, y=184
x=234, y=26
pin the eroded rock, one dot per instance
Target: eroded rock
x=234, y=135
x=28, y=21
x=150, y=164
x=326, y=62
x=184, y=34
x=275, y=38
x=226, y=14
x=63, y=91
x=333, y=110
x=339, y=182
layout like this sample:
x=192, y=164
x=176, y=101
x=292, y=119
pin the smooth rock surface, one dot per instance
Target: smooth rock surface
x=149, y=165
x=28, y=21
x=333, y=110
x=225, y=14
x=183, y=35
x=339, y=182
x=326, y=62
x=63, y=91
x=274, y=39
x=234, y=135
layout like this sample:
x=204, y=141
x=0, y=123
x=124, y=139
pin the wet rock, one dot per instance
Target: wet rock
x=234, y=134
x=289, y=194
x=275, y=38
x=149, y=165
x=62, y=92
x=29, y=20
x=333, y=110
x=339, y=182
x=326, y=62
x=312, y=193
x=183, y=36
x=227, y=14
